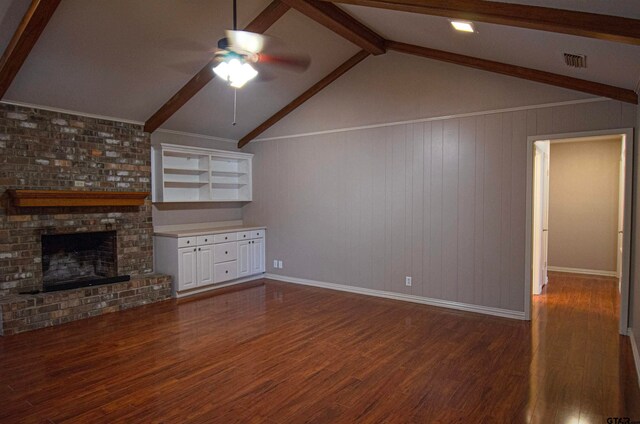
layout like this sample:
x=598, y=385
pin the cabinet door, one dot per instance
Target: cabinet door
x=205, y=265
x=257, y=256
x=187, y=274
x=244, y=258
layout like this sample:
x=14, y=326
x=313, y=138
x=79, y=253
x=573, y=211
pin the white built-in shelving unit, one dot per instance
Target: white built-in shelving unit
x=192, y=174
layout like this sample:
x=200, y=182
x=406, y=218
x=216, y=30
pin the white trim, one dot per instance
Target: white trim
x=630, y=146
x=197, y=226
x=195, y=135
x=636, y=354
x=582, y=271
x=183, y=148
x=438, y=118
x=213, y=287
x=71, y=112
x=504, y=313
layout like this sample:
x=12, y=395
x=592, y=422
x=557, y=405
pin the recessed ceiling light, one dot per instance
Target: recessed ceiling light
x=463, y=26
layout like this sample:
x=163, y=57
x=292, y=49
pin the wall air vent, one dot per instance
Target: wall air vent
x=575, y=60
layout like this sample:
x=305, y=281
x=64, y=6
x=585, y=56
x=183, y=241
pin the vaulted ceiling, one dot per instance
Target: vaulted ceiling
x=126, y=58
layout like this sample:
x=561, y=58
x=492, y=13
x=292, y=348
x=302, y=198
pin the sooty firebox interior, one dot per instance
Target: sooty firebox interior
x=79, y=260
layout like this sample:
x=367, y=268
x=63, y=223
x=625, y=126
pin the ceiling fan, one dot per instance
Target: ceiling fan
x=242, y=55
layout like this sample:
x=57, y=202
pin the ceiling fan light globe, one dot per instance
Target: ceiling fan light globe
x=235, y=71
x=241, y=75
x=222, y=70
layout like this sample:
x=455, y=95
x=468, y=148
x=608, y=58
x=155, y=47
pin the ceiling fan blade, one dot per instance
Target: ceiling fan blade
x=297, y=62
x=246, y=41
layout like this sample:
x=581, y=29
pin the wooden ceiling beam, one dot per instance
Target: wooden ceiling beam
x=616, y=93
x=274, y=11
x=592, y=25
x=312, y=91
x=340, y=22
x=33, y=23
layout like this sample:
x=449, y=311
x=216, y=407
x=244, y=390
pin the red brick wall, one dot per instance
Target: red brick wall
x=49, y=150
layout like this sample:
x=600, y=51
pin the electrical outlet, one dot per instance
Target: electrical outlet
x=78, y=183
x=280, y=264
x=275, y=263
x=407, y=281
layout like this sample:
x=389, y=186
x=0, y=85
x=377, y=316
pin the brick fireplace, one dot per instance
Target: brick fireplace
x=79, y=260
x=49, y=150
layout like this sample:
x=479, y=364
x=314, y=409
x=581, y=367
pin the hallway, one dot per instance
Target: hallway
x=581, y=363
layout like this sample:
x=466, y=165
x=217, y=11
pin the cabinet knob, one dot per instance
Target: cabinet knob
x=226, y=272
x=226, y=253
x=199, y=249
x=205, y=240
x=226, y=238
x=194, y=250
x=188, y=242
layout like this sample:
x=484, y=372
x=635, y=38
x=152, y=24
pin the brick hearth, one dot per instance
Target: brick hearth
x=19, y=313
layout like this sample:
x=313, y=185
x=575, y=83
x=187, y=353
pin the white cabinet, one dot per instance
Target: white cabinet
x=251, y=256
x=191, y=174
x=204, y=260
x=195, y=266
x=205, y=265
x=244, y=264
x=187, y=271
x=257, y=256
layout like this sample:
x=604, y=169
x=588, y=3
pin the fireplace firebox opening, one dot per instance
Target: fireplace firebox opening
x=80, y=260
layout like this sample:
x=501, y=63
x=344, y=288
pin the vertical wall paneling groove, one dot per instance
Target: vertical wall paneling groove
x=518, y=205
x=450, y=160
x=417, y=223
x=442, y=201
x=466, y=209
x=408, y=209
x=505, y=211
x=478, y=255
x=435, y=247
x=427, y=274
x=492, y=201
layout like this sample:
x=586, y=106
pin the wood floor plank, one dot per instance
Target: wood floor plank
x=281, y=353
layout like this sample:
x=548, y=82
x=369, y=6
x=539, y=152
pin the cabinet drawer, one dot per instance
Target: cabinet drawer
x=225, y=271
x=223, y=238
x=203, y=240
x=225, y=252
x=257, y=234
x=187, y=242
x=245, y=235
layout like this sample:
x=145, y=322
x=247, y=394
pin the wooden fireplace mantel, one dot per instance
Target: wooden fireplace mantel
x=62, y=198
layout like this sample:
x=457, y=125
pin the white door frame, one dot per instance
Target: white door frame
x=628, y=200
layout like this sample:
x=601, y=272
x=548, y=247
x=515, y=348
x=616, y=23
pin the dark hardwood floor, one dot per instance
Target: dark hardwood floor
x=282, y=353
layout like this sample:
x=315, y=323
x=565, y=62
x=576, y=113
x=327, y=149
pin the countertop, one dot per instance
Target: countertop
x=206, y=231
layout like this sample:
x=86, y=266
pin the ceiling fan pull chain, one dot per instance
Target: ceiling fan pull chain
x=235, y=104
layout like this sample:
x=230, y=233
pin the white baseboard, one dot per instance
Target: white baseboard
x=582, y=271
x=504, y=313
x=636, y=354
x=180, y=295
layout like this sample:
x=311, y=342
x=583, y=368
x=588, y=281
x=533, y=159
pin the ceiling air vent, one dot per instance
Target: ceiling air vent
x=575, y=60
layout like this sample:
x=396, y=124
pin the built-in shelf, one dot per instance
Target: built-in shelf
x=184, y=171
x=197, y=183
x=193, y=174
x=227, y=174
x=62, y=198
x=227, y=185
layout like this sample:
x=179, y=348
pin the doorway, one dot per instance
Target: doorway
x=589, y=229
